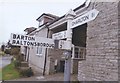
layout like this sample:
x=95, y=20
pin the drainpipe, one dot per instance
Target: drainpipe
x=45, y=53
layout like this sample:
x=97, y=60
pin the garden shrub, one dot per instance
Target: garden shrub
x=26, y=72
x=17, y=64
x=7, y=51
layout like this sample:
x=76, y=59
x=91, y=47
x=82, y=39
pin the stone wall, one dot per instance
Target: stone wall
x=101, y=62
x=119, y=41
x=53, y=54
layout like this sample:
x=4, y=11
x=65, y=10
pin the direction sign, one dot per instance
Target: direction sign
x=26, y=40
x=89, y=16
x=59, y=35
x=64, y=45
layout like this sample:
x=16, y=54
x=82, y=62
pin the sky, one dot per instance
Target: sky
x=16, y=15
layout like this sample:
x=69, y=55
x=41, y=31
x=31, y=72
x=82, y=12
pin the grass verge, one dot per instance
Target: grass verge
x=2, y=53
x=0, y=74
x=9, y=72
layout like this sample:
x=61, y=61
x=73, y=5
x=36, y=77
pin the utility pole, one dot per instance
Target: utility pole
x=67, y=71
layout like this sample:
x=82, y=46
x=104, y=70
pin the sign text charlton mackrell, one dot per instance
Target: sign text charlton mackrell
x=25, y=40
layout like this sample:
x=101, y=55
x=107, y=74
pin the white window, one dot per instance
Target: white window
x=39, y=51
x=78, y=52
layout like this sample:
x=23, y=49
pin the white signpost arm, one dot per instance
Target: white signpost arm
x=69, y=17
x=89, y=16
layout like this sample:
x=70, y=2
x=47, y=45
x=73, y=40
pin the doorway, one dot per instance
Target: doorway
x=62, y=65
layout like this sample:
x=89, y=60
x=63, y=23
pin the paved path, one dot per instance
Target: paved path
x=54, y=77
x=5, y=60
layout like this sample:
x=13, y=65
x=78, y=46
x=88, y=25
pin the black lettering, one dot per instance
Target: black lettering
x=33, y=38
x=31, y=43
x=34, y=43
x=21, y=43
x=25, y=43
x=47, y=45
x=18, y=36
x=41, y=44
x=13, y=42
x=29, y=38
x=80, y=20
x=37, y=44
x=60, y=46
x=44, y=44
x=26, y=37
x=14, y=36
x=85, y=18
x=28, y=43
x=53, y=46
x=22, y=37
x=18, y=42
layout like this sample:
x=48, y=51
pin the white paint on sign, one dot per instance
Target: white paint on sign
x=64, y=44
x=89, y=16
x=59, y=35
x=25, y=40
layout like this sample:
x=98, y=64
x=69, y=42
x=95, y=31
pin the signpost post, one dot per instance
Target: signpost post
x=69, y=17
x=89, y=16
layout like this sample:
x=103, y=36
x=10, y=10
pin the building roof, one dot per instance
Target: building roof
x=54, y=16
x=30, y=29
x=79, y=7
x=64, y=15
x=47, y=14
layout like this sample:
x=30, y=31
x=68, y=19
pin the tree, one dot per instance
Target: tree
x=15, y=50
x=3, y=48
x=7, y=51
x=9, y=45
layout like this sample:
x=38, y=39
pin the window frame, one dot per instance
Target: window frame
x=39, y=51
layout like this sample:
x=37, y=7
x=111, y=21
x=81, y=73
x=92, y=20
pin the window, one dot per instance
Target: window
x=79, y=52
x=39, y=51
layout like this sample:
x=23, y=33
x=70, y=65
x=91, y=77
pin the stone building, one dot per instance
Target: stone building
x=102, y=51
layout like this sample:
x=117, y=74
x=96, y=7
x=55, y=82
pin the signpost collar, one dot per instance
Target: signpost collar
x=70, y=14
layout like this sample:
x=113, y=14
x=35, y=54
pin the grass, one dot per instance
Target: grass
x=2, y=53
x=0, y=74
x=9, y=72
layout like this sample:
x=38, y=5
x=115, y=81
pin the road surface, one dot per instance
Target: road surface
x=5, y=60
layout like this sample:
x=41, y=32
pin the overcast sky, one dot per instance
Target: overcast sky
x=16, y=15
